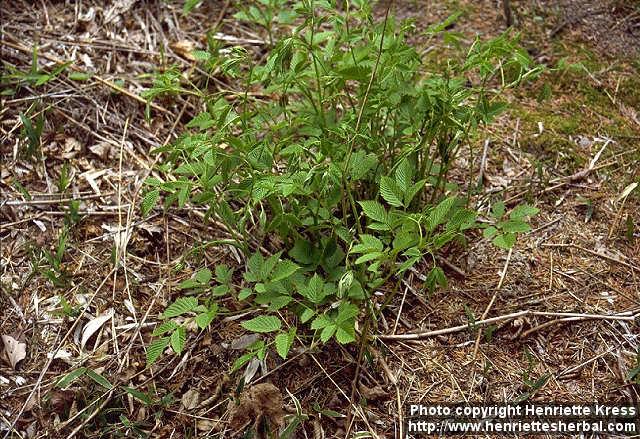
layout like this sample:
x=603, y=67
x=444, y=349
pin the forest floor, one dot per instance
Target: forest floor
x=569, y=144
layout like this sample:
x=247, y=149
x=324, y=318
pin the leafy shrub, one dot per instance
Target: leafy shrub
x=335, y=156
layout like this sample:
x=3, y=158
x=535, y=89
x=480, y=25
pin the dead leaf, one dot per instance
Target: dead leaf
x=14, y=350
x=373, y=393
x=251, y=370
x=184, y=49
x=261, y=402
x=244, y=341
x=94, y=325
x=101, y=149
x=190, y=399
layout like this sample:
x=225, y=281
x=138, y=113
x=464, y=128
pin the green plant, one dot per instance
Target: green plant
x=13, y=79
x=50, y=263
x=342, y=174
x=32, y=133
x=504, y=227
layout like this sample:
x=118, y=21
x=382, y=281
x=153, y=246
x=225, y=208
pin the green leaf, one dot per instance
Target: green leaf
x=204, y=319
x=181, y=306
x=155, y=349
x=244, y=293
x=374, y=210
x=368, y=257
x=284, y=270
x=303, y=252
x=262, y=324
x=201, y=55
x=223, y=274
x=439, y=213
x=345, y=334
x=149, y=201
x=202, y=121
x=284, y=342
x=489, y=232
x=523, y=211
x=203, y=276
x=504, y=241
x=314, y=290
x=435, y=278
x=99, y=379
x=346, y=311
x=497, y=210
x=390, y=191
x=71, y=377
x=79, y=76
x=361, y=163
x=322, y=321
x=306, y=315
x=327, y=332
x=141, y=396
x=167, y=326
x=368, y=243
x=242, y=361
x=514, y=226
x=254, y=265
x=463, y=219
x=178, y=339
x=404, y=176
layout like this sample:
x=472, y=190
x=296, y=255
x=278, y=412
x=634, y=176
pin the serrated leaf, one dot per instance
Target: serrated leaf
x=374, y=210
x=204, y=319
x=155, y=349
x=203, y=276
x=435, y=278
x=165, y=327
x=390, y=191
x=284, y=341
x=413, y=191
x=346, y=311
x=463, y=219
x=497, y=210
x=345, y=334
x=284, y=270
x=489, y=232
x=368, y=257
x=360, y=164
x=404, y=175
x=223, y=273
x=439, y=213
x=244, y=294
x=523, y=211
x=202, y=121
x=178, y=339
x=306, y=315
x=321, y=321
x=149, y=201
x=327, y=332
x=254, y=265
x=368, y=243
x=182, y=305
x=514, y=226
x=314, y=290
x=303, y=252
x=262, y=324
x=201, y=55
x=504, y=240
